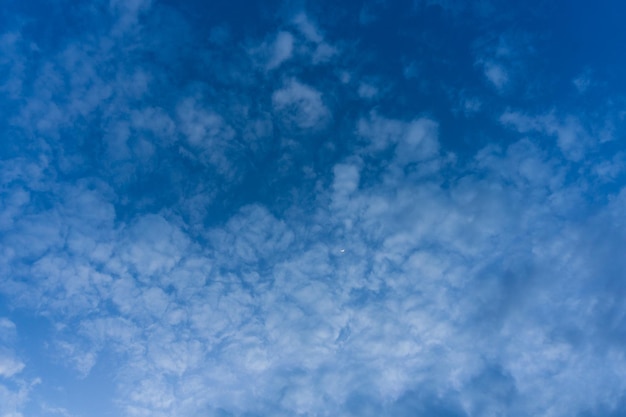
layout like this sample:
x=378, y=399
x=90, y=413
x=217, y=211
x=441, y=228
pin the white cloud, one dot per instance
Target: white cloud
x=483, y=280
x=572, y=138
x=322, y=51
x=611, y=169
x=207, y=134
x=496, y=74
x=367, y=90
x=300, y=106
x=7, y=329
x=419, y=142
x=582, y=82
x=9, y=365
x=251, y=235
x=127, y=12
x=12, y=46
x=414, y=141
x=14, y=387
x=202, y=128
x=81, y=358
x=471, y=105
x=381, y=132
x=271, y=301
x=346, y=179
x=282, y=49
x=270, y=54
x=505, y=61
x=156, y=121
x=11, y=402
x=153, y=247
x=307, y=28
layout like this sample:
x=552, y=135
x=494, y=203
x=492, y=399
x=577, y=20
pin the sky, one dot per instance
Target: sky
x=312, y=209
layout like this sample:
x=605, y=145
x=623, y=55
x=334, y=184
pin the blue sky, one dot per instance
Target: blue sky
x=365, y=208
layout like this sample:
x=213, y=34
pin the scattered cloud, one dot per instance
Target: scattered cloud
x=496, y=74
x=582, y=82
x=272, y=53
x=300, y=106
x=281, y=50
x=414, y=141
x=219, y=245
x=367, y=91
x=322, y=50
x=573, y=139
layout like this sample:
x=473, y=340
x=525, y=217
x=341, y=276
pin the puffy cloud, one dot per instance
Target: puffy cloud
x=395, y=271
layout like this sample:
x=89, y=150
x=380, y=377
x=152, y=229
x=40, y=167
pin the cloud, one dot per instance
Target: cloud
x=273, y=52
x=307, y=28
x=164, y=222
x=300, y=107
x=282, y=49
x=9, y=365
x=367, y=91
x=13, y=49
x=323, y=51
x=449, y=274
x=153, y=247
x=127, y=13
x=496, y=74
x=508, y=59
x=14, y=386
x=207, y=135
x=413, y=141
x=582, y=82
x=346, y=179
x=572, y=138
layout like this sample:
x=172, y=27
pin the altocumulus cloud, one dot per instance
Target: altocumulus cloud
x=208, y=214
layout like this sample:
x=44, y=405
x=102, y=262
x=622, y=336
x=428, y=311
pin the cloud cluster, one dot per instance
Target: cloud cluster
x=290, y=243
x=14, y=387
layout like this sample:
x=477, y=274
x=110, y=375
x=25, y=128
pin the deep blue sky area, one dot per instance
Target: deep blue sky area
x=350, y=209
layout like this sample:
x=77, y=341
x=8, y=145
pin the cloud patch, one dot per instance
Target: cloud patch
x=300, y=107
x=217, y=229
